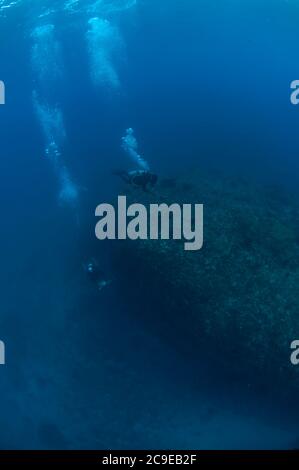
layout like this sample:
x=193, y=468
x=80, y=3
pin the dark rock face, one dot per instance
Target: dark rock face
x=239, y=295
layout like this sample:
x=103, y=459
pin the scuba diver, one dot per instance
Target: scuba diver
x=96, y=275
x=139, y=178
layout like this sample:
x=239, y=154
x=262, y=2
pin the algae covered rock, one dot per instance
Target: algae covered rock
x=238, y=295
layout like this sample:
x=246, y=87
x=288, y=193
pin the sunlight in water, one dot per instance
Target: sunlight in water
x=5, y=5
x=49, y=7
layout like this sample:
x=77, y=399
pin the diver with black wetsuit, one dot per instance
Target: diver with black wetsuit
x=139, y=178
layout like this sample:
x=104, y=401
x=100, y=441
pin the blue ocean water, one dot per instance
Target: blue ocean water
x=203, y=84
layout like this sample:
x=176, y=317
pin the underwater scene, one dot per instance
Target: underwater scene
x=120, y=333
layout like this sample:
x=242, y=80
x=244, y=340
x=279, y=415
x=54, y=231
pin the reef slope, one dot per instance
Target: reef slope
x=238, y=296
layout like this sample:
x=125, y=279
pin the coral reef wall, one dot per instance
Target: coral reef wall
x=238, y=296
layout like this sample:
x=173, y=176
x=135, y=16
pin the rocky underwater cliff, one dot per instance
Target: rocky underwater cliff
x=236, y=299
